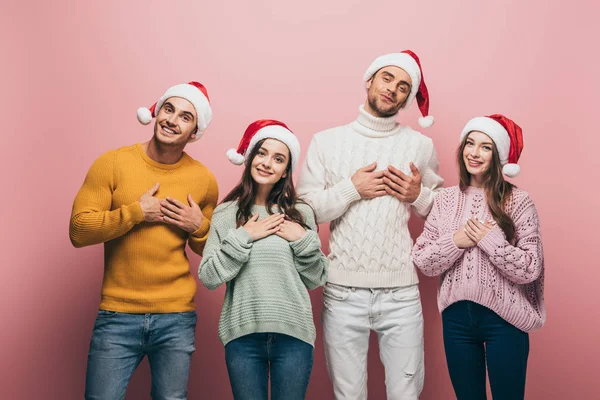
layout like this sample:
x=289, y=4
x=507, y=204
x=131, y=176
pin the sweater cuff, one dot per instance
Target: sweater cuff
x=347, y=191
x=137, y=215
x=300, y=245
x=423, y=202
x=203, y=230
x=448, y=248
x=243, y=237
x=494, y=239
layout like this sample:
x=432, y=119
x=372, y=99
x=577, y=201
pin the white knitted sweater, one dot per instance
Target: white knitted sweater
x=370, y=245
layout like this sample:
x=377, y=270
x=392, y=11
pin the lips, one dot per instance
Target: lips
x=473, y=163
x=386, y=99
x=168, y=131
x=263, y=173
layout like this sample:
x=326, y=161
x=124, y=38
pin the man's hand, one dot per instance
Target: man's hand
x=368, y=183
x=189, y=218
x=401, y=186
x=151, y=205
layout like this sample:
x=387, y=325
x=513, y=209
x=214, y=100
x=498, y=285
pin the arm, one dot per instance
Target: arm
x=92, y=220
x=223, y=259
x=433, y=253
x=310, y=261
x=197, y=239
x=524, y=262
x=328, y=203
x=431, y=183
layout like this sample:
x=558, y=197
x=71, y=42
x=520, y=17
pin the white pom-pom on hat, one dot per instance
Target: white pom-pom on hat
x=235, y=157
x=511, y=170
x=426, y=122
x=144, y=115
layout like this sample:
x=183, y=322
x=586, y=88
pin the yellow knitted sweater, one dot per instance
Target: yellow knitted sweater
x=146, y=269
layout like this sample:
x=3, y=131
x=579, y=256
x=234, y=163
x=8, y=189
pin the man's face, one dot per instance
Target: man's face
x=176, y=122
x=387, y=91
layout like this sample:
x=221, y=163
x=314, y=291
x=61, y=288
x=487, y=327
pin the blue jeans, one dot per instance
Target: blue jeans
x=474, y=335
x=250, y=358
x=120, y=342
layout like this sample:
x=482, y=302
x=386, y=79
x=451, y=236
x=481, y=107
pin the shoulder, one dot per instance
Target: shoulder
x=304, y=208
x=519, y=202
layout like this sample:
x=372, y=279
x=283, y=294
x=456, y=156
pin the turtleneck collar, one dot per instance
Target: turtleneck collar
x=376, y=127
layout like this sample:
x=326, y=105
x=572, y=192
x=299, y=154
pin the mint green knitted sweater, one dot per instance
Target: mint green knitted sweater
x=267, y=279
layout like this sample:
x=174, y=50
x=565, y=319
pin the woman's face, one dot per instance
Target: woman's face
x=270, y=162
x=477, y=154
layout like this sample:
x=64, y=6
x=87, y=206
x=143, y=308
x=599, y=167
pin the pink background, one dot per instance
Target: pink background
x=73, y=74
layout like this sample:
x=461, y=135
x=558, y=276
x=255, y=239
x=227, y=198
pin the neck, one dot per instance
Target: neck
x=161, y=153
x=262, y=194
x=369, y=124
x=477, y=181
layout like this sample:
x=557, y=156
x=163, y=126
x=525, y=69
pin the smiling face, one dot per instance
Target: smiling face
x=176, y=122
x=387, y=91
x=270, y=163
x=477, y=154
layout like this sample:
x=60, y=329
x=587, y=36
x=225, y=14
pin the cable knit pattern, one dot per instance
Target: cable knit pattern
x=505, y=278
x=266, y=279
x=370, y=241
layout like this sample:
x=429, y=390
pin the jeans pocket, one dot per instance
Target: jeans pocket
x=336, y=292
x=405, y=293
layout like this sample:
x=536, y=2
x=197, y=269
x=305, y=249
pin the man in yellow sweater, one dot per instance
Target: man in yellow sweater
x=145, y=202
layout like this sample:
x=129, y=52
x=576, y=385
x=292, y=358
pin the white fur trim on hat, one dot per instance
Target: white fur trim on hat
x=144, y=115
x=195, y=96
x=279, y=133
x=235, y=157
x=400, y=60
x=511, y=170
x=426, y=122
x=494, y=130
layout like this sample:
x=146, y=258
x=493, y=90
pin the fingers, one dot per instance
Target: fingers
x=152, y=191
x=169, y=213
x=166, y=205
x=191, y=201
x=370, y=167
x=396, y=184
x=470, y=234
x=395, y=171
x=172, y=221
x=176, y=202
x=253, y=218
x=414, y=170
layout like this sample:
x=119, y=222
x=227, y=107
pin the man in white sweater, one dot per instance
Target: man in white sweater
x=365, y=177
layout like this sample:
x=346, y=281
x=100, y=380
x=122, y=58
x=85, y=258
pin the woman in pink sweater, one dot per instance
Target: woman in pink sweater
x=483, y=238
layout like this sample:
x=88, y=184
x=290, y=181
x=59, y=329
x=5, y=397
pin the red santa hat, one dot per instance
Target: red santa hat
x=507, y=136
x=409, y=62
x=195, y=93
x=265, y=129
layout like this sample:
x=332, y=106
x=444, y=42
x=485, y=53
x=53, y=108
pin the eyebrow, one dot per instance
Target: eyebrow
x=489, y=143
x=393, y=77
x=184, y=112
x=276, y=154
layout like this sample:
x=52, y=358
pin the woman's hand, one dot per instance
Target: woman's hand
x=291, y=231
x=265, y=227
x=477, y=230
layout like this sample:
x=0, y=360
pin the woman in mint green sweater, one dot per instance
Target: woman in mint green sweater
x=264, y=246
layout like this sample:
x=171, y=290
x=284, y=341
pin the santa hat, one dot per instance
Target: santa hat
x=408, y=61
x=193, y=92
x=265, y=129
x=507, y=136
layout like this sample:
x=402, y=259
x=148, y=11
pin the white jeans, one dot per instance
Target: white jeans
x=349, y=314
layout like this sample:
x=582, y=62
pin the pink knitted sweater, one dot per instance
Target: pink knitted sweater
x=507, y=279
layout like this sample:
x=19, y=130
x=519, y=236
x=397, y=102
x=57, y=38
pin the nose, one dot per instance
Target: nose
x=171, y=119
x=475, y=152
x=266, y=163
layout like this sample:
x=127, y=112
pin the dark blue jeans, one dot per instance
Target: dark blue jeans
x=250, y=358
x=120, y=342
x=474, y=335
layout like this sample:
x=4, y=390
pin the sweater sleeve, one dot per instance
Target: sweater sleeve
x=92, y=220
x=524, y=262
x=197, y=239
x=223, y=258
x=311, y=263
x=431, y=183
x=329, y=203
x=434, y=253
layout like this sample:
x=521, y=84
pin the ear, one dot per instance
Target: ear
x=369, y=82
x=284, y=174
x=193, y=135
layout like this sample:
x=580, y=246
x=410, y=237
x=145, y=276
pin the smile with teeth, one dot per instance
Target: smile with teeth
x=263, y=173
x=474, y=163
x=168, y=130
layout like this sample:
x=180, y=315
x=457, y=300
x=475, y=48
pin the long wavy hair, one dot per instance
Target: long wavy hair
x=283, y=195
x=497, y=190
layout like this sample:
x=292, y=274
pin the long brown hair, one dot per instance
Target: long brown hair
x=497, y=190
x=283, y=193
